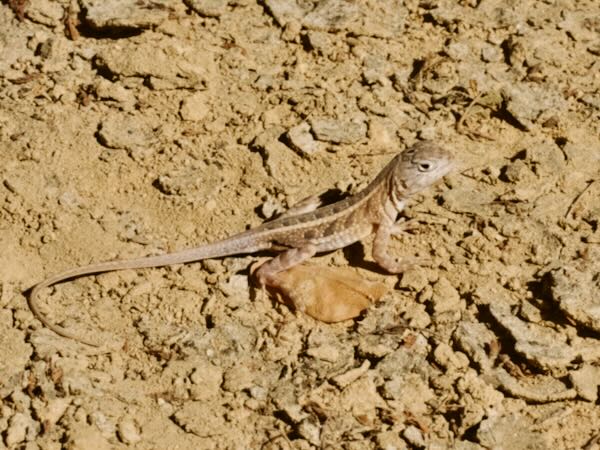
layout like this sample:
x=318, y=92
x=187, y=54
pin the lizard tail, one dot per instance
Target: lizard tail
x=238, y=244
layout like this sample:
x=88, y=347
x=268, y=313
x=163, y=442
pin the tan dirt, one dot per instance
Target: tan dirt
x=130, y=128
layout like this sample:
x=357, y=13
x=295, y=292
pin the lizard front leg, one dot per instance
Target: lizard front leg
x=380, y=249
x=266, y=274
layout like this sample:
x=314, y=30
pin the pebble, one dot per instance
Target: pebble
x=528, y=103
x=310, y=431
x=20, y=426
x=352, y=375
x=46, y=12
x=338, y=131
x=446, y=301
x=511, y=430
x=328, y=15
x=128, y=431
x=476, y=340
x=586, y=381
x=329, y=353
x=301, y=140
x=534, y=388
x=541, y=346
x=195, y=107
x=573, y=290
x=119, y=14
x=201, y=184
x=207, y=8
x=202, y=419
x=122, y=131
x=238, y=378
x=414, y=436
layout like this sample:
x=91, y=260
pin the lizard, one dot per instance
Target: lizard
x=303, y=231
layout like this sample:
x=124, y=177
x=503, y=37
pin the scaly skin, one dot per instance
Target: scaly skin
x=301, y=235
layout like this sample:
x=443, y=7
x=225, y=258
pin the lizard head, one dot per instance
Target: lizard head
x=419, y=167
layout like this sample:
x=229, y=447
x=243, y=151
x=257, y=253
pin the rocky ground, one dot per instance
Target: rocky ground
x=130, y=128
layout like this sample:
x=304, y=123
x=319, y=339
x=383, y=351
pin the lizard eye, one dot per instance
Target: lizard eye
x=424, y=166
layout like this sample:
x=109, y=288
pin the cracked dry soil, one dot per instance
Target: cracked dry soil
x=130, y=128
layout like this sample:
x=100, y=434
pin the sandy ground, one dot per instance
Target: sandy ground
x=130, y=128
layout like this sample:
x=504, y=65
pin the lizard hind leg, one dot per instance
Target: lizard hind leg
x=267, y=273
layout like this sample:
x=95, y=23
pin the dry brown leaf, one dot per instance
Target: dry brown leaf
x=325, y=293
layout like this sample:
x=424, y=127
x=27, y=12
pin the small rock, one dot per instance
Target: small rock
x=119, y=14
x=538, y=388
x=352, y=375
x=321, y=42
x=123, y=131
x=529, y=103
x=578, y=25
x=517, y=172
x=414, y=436
x=586, y=381
x=491, y=53
x=405, y=359
x=415, y=279
x=447, y=305
x=576, y=292
x=284, y=399
x=237, y=285
x=20, y=428
x=592, y=99
x=47, y=13
x=207, y=8
x=478, y=399
x=271, y=207
x=280, y=161
x=54, y=410
x=329, y=353
x=541, y=346
x=477, y=341
x=162, y=64
x=202, y=419
x=195, y=107
x=195, y=181
x=512, y=431
x=20, y=400
x=459, y=51
x=448, y=359
x=15, y=352
x=337, y=131
x=376, y=70
x=310, y=431
x=291, y=31
x=238, y=378
x=380, y=133
x=390, y=440
x=410, y=390
x=362, y=398
x=105, y=90
x=417, y=317
x=328, y=15
x=301, y=140
x=128, y=431
x=331, y=15
x=284, y=11
x=55, y=54
x=207, y=378
x=86, y=436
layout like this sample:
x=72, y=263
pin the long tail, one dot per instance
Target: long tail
x=238, y=244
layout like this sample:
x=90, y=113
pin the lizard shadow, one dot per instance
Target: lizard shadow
x=356, y=256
